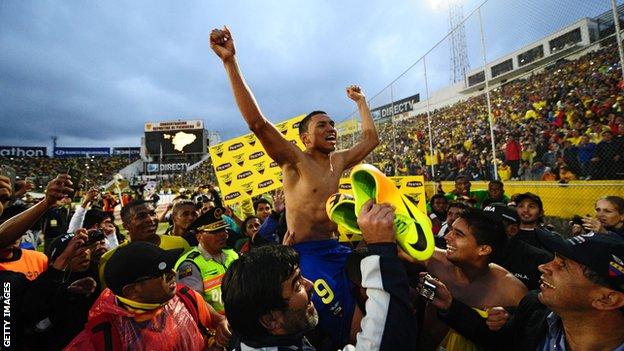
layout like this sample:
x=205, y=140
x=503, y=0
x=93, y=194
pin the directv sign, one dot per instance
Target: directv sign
x=67, y=152
x=167, y=167
x=396, y=108
x=22, y=151
x=126, y=151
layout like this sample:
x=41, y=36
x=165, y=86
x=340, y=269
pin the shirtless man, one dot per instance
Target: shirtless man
x=310, y=178
x=465, y=268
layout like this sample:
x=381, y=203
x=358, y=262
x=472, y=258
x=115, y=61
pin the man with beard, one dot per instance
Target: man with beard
x=140, y=220
x=268, y=302
x=310, y=178
x=202, y=268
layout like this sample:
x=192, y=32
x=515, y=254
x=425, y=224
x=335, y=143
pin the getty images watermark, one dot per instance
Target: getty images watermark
x=6, y=314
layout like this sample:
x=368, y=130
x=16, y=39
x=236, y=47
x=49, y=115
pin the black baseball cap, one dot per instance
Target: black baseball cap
x=602, y=253
x=130, y=263
x=521, y=197
x=56, y=247
x=500, y=212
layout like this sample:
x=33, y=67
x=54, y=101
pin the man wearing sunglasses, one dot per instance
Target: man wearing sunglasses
x=144, y=307
x=202, y=268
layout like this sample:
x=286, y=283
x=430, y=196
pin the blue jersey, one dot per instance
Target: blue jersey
x=323, y=263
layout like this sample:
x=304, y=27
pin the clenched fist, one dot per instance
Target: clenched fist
x=222, y=43
x=355, y=93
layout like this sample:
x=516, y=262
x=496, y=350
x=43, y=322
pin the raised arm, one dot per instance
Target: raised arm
x=17, y=225
x=369, y=139
x=278, y=148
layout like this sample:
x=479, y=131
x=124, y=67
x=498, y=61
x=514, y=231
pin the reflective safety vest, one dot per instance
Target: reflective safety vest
x=212, y=272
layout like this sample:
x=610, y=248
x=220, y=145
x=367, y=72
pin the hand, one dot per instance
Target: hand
x=222, y=43
x=289, y=238
x=576, y=229
x=6, y=190
x=228, y=211
x=497, y=317
x=355, y=93
x=593, y=225
x=25, y=187
x=89, y=196
x=377, y=223
x=85, y=286
x=223, y=333
x=58, y=188
x=279, y=203
x=442, y=299
x=74, y=245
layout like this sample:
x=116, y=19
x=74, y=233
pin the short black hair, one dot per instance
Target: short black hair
x=94, y=217
x=252, y=287
x=485, y=231
x=496, y=182
x=244, y=226
x=261, y=201
x=179, y=204
x=305, y=122
x=125, y=211
x=437, y=196
x=462, y=176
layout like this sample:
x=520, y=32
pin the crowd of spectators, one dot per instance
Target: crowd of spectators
x=92, y=171
x=563, y=122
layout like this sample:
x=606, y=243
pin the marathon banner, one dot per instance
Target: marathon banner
x=23, y=151
x=412, y=186
x=126, y=151
x=396, y=108
x=67, y=152
x=243, y=167
x=167, y=168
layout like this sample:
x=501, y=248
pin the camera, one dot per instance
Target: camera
x=427, y=289
x=95, y=235
x=577, y=220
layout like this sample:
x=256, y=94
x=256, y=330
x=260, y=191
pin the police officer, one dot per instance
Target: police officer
x=202, y=268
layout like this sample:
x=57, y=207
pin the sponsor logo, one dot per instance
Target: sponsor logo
x=248, y=188
x=273, y=164
x=265, y=184
x=239, y=159
x=256, y=155
x=232, y=196
x=296, y=125
x=219, y=150
x=227, y=178
x=235, y=146
x=223, y=167
x=251, y=140
x=17, y=151
x=259, y=167
x=282, y=127
x=244, y=175
x=345, y=186
x=414, y=184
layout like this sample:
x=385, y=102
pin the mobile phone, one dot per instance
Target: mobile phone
x=95, y=235
x=577, y=220
x=427, y=289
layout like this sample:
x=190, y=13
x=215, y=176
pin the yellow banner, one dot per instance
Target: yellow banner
x=244, y=169
x=349, y=126
x=412, y=186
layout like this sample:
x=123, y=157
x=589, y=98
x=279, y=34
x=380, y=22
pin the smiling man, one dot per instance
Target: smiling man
x=580, y=304
x=140, y=220
x=310, y=177
x=466, y=268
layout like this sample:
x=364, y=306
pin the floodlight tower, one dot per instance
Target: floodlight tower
x=459, y=51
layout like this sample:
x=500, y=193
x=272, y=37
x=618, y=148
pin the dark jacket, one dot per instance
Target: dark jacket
x=524, y=331
x=521, y=260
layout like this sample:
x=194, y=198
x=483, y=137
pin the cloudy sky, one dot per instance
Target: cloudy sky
x=93, y=72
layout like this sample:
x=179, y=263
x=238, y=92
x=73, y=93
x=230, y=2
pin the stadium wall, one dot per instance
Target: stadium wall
x=560, y=200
